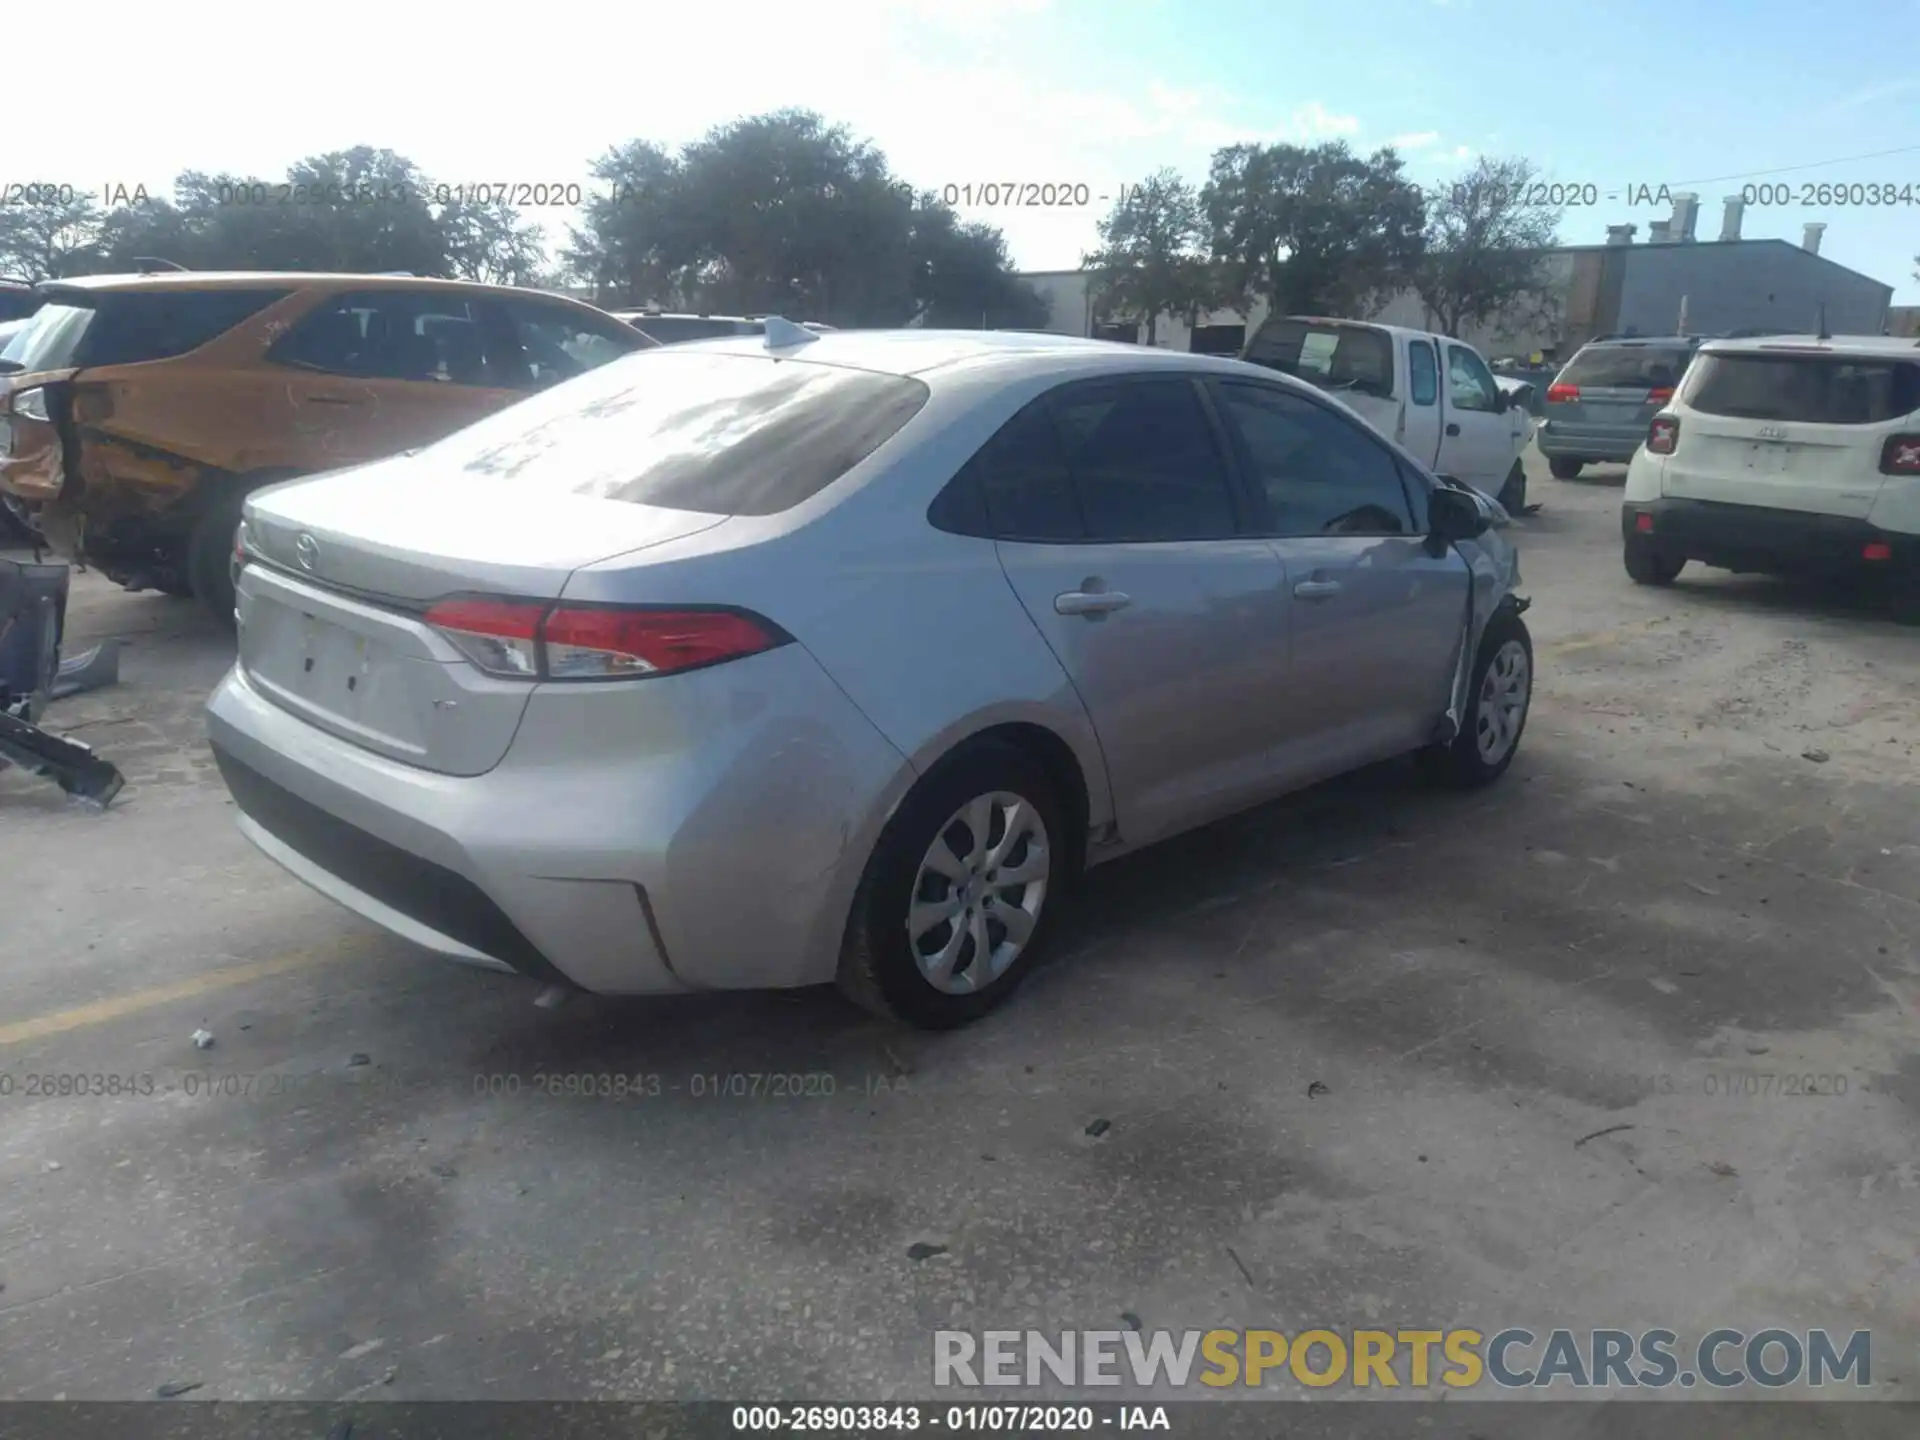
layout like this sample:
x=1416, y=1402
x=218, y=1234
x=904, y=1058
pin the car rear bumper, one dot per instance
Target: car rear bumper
x=1558, y=441
x=720, y=855
x=1757, y=538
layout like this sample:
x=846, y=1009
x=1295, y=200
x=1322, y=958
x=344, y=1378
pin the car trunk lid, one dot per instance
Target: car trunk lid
x=333, y=625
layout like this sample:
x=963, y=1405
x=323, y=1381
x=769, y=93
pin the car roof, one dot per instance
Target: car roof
x=1665, y=340
x=277, y=279
x=682, y=315
x=916, y=352
x=1891, y=346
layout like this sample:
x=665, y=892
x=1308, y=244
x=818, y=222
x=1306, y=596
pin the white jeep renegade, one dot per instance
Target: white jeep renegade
x=1788, y=454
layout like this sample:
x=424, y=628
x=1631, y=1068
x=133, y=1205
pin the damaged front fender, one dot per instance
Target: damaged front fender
x=1493, y=562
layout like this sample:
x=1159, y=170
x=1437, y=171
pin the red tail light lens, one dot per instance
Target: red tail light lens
x=594, y=644
x=1660, y=397
x=1900, y=455
x=1662, y=435
x=1561, y=394
x=1876, y=550
x=502, y=637
x=1643, y=523
x=537, y=641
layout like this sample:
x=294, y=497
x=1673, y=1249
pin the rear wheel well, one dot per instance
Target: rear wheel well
x=1056, y=757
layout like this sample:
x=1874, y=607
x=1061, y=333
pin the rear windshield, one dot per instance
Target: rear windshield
x=127, y=327
x=1628, y=367
x=1334, y=357
x=691, y=430
x=669, y=329
x=1820, y=389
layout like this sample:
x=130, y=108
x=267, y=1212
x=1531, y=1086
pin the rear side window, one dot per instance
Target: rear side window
x=17, y=304
x=399, y=335
x=1815, y=389
x=1628, y=367
x=558, y=342
x=128, y=327
x=1334, y=357
x=1024, y=481
x=692, y=430
x=1423, y=373
x=1144, y=461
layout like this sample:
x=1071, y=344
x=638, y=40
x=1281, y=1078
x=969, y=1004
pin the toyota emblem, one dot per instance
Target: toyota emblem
x=307, y=552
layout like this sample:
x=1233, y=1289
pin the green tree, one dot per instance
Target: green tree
x=351, y=210
x=1485, y=246
x=786, y=214
x=1315, y=230
x=50, y=232
x=962, y=277
x=1152, y=258
x=494, y=244
x=633, y=245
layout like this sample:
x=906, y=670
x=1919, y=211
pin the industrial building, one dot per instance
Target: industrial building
x=1670, y=282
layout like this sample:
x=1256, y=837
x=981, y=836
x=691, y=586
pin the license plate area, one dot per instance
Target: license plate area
x=1765, y=458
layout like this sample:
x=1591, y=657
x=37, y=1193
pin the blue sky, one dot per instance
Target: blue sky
x=1098, y=92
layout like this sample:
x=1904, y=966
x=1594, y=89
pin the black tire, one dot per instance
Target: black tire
x=1513, y=494
x=878, y=965
x=1564, y=469
x=1461, y=763
x=1647, y=565
x=210, y=558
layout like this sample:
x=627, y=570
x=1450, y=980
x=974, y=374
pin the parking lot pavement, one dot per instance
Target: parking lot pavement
x=1374, y=1054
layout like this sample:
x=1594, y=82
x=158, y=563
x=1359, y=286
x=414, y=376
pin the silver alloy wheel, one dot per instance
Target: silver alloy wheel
x=978, y=892
x=1504, y=694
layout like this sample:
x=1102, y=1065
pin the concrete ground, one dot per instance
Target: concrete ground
x=1354, y=1055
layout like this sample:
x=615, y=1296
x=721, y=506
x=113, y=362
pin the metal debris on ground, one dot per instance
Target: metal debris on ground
x=921, y=1250
x=1819, y=757
x=176, y=1387
x=1316, y=1090
x=1099, y=1128
x=203, y=1039
x=33, y=609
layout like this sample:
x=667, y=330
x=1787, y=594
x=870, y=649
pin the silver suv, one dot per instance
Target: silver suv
x=1598, y=408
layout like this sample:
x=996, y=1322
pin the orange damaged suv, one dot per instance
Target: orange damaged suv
x=137, y=411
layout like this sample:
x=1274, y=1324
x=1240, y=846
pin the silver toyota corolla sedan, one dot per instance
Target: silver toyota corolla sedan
x=777, y=660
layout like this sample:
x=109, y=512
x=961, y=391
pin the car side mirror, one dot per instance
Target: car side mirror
x=1453, y=515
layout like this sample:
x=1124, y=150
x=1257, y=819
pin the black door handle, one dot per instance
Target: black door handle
x=1453, y=428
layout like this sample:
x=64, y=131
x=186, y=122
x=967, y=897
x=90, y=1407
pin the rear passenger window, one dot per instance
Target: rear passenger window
x=1423, y=373
x=396, y=335
x=130, y=326
x=558, y=343
x=1144, y=461
x=1024, y=482
x=1322, y=473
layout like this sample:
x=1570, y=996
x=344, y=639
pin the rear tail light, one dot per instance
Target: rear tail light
x=1660, y=397
x=1900, y=455
x=1643, y=523
x=1562, y=394
x=1663, y=434
x=1876, y=550
x=535, y=640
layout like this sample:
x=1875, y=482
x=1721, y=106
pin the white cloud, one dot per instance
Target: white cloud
x=1418, y=140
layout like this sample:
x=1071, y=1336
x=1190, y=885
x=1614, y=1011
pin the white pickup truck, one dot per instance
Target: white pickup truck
x=1433, y=396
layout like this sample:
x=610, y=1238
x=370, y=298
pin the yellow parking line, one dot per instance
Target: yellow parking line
x=119, y=1006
